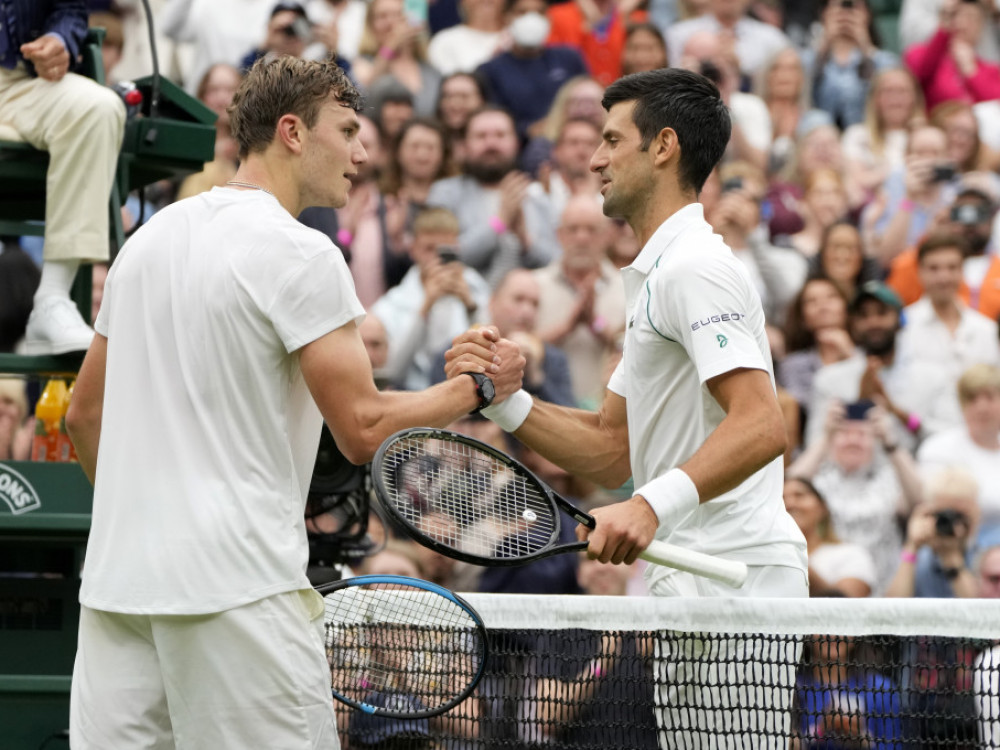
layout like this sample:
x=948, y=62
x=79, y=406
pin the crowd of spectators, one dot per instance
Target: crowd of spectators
x=860, y=188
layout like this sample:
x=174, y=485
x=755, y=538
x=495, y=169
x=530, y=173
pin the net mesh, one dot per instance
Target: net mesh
x=467, y=499
x=623, y=672
x=399, y=649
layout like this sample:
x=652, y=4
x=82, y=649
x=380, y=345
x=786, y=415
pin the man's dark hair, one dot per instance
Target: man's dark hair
x=686, y=102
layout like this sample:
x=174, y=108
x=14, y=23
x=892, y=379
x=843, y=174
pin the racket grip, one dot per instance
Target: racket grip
x=730, y=572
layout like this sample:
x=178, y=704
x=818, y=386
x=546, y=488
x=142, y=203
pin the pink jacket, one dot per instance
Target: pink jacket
x=941, y=79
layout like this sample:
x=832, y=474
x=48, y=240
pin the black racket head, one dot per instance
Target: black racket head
x=464, y=498
x=401, y=648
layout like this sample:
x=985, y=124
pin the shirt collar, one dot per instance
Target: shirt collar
x=666, y=233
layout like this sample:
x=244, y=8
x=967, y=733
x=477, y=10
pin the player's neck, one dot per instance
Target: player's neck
x=262, y=174
x=660, y=206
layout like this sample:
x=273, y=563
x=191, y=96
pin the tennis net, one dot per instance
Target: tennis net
x=611, y=673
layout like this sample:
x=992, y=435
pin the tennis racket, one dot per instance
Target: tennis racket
x=467, y=500
x=401, y=647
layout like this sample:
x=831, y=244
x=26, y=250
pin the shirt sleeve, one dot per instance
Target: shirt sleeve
x=709, y=309
x=315, y=299
x=616, y=383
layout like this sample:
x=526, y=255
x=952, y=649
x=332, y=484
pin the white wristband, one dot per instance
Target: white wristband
x=672, y=497
x=512, y=412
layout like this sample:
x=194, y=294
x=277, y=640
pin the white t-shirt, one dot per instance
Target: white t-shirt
x=209, y=433
x=693, y=314
x=835, y=561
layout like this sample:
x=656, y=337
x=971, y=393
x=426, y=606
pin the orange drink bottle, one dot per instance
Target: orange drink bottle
x=48, y=412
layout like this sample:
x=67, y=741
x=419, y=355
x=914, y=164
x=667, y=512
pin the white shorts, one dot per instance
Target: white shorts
x=725, y=693
x=251, y=677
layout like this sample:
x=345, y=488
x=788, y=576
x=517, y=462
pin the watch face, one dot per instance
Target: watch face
x=488, y=391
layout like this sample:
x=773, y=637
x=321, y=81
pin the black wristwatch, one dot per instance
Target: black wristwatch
x=484, y=389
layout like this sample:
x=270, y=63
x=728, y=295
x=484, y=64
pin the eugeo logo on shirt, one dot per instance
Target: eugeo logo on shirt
x=17, y=492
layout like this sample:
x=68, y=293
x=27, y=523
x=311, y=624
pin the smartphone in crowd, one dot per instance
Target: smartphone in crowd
x=447, y=253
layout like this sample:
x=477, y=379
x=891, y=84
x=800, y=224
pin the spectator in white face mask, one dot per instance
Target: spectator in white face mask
x=524, y=80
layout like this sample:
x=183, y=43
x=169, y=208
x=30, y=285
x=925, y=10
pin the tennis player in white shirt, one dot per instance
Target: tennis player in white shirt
x=227, y=334
x=690, y=413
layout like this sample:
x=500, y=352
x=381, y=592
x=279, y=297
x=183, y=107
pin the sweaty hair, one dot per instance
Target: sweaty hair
x=686, y=102
x=285, y=86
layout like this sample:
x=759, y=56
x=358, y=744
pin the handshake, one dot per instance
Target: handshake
x=482, y=351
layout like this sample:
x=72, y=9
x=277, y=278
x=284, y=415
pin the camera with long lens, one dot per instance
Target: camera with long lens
x=945, y=521
x=337, y=509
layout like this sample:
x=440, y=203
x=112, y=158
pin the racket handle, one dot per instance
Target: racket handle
x=730, y=572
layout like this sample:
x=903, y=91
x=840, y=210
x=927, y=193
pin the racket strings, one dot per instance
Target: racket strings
x=399, y=649
x=467, y=499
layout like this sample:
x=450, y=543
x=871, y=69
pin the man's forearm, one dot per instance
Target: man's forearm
x=559, y=432
x=737, y=449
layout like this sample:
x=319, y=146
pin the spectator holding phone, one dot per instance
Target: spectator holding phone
x=437, y=299
x=911, y=197
x=916, y=396
x=288, y=33
x=867, y=490
x=937, y=553
x=845, y=59
x=948, y=66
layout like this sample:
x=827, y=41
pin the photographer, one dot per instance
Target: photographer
x=287, y=34
x=937, y=553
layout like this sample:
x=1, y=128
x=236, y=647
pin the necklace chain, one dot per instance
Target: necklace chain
x=249, y=185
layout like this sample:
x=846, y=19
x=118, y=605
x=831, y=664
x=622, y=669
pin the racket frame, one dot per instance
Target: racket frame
x=731, y=572
x=558, y=503
x=429, y=586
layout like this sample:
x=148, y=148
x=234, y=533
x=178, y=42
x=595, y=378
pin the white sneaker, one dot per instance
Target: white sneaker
x=56, y=327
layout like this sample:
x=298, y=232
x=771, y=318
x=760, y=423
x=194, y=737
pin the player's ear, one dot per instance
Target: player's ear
x=665, y=146
x=290, y=131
